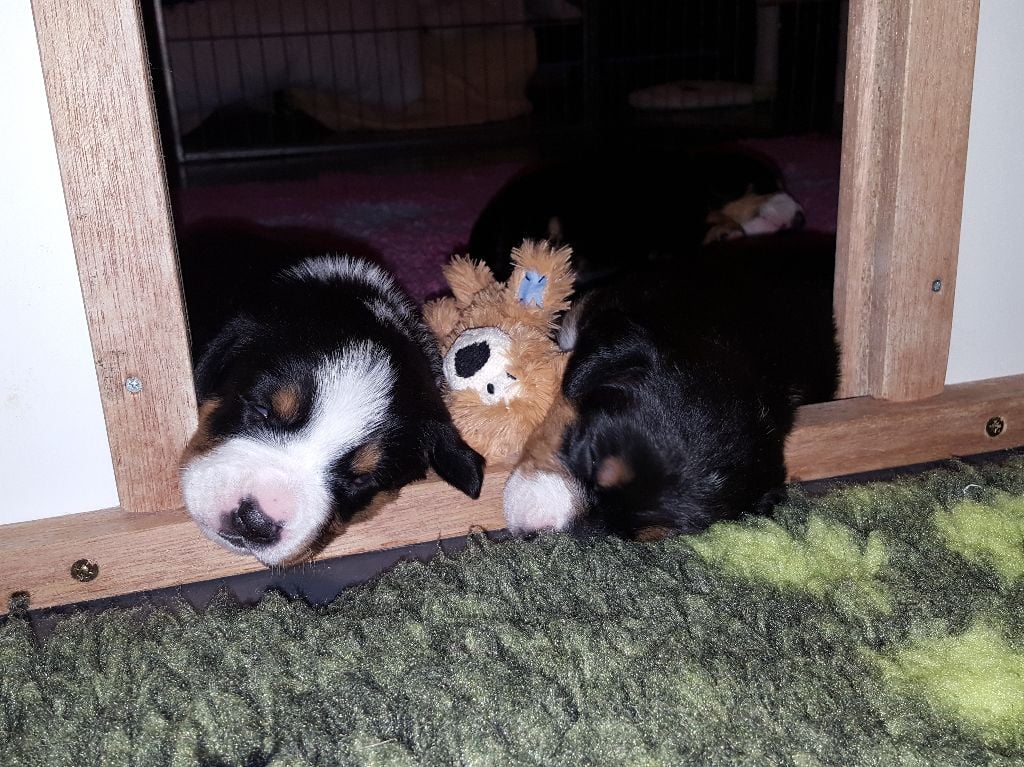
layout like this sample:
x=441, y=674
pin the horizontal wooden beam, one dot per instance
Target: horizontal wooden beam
x=135, y=552
x=864, y=434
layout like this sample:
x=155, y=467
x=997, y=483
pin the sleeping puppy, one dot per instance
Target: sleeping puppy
x=622, y=212
x=680, y=392
x=319, y=395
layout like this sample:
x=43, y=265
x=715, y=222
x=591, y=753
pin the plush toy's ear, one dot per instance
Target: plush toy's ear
x=466, y=278
x=441, y=316
x=542, y=278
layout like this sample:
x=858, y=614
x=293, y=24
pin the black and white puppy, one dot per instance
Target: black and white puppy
x=319, y=395
x=680, y=391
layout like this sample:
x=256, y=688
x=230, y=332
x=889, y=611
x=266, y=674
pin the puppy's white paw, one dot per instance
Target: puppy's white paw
x=540, y=500
x=777, y=213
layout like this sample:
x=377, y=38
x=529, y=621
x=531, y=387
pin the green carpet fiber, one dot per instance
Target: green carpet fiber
x=876, y=625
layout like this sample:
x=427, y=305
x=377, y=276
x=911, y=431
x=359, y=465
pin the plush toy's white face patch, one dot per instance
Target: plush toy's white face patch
x=478, y=360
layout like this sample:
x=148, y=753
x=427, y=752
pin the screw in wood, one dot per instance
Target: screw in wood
x=133, y=384
x=83, y=570
x=995, y=426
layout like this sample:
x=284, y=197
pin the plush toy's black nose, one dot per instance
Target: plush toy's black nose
x=250, y=523
x=469, y=359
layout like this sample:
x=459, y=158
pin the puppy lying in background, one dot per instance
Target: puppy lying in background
x=681, y=389
x=754, y=214
x=318, y=394
x=623, y=212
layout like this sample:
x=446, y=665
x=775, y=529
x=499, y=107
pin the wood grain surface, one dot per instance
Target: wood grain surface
x=101, y=106
x=909, y=80
x=145, y=551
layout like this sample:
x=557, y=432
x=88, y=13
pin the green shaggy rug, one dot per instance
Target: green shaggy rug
x=877, y=625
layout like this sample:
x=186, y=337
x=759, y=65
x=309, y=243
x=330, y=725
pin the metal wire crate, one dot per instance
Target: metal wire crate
x=247, y=78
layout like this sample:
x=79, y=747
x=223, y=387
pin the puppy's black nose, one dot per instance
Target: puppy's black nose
x=469, y=359
x=799, y=220
x=249, y=522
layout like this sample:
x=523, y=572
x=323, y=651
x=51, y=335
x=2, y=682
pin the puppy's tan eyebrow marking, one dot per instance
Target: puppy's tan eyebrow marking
x=614, y=472
x=367, y=458
x=285, y=402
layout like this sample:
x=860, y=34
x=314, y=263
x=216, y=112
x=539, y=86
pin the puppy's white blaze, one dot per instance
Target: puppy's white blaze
x=778, y=212
x=539, y=501
x=289, y=475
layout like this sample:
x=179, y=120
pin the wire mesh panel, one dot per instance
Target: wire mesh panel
x=750, y=67
x=248, y=77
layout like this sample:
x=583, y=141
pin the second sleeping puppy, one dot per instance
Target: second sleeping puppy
x=681, y=390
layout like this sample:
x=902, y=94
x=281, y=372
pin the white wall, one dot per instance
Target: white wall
x=54, y=455
x=988, y=315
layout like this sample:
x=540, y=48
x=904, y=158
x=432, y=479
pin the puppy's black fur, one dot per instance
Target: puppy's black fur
x=226, y=263
x=618, y=212
x=688, y=379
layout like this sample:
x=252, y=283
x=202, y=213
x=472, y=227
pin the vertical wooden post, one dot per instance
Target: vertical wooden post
x=909, y=79
x=104, y=125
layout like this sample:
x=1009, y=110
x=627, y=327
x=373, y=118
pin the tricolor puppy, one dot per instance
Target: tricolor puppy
x=318, y=396
x=681, y=390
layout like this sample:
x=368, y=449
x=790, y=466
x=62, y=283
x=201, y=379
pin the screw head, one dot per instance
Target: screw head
x=936, y=286
x=995, y=426
x=133, y=384
x=83, y=570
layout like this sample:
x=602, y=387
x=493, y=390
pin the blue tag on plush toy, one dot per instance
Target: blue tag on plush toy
x=531, y=289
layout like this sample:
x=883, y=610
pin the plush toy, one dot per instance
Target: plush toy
x=502, y=367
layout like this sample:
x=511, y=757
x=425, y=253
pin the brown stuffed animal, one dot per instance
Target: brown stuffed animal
x=502, y=367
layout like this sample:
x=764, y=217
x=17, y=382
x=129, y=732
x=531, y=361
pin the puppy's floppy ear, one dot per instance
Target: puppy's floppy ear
x=220, y=353
x=454, y=461
x=615, y=369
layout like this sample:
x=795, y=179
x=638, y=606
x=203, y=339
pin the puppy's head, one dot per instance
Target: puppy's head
x=302, y=426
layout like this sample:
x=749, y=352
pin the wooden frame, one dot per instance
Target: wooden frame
x=104, y=126
x=144, y=551
x=909, y=79
x=908, y=89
